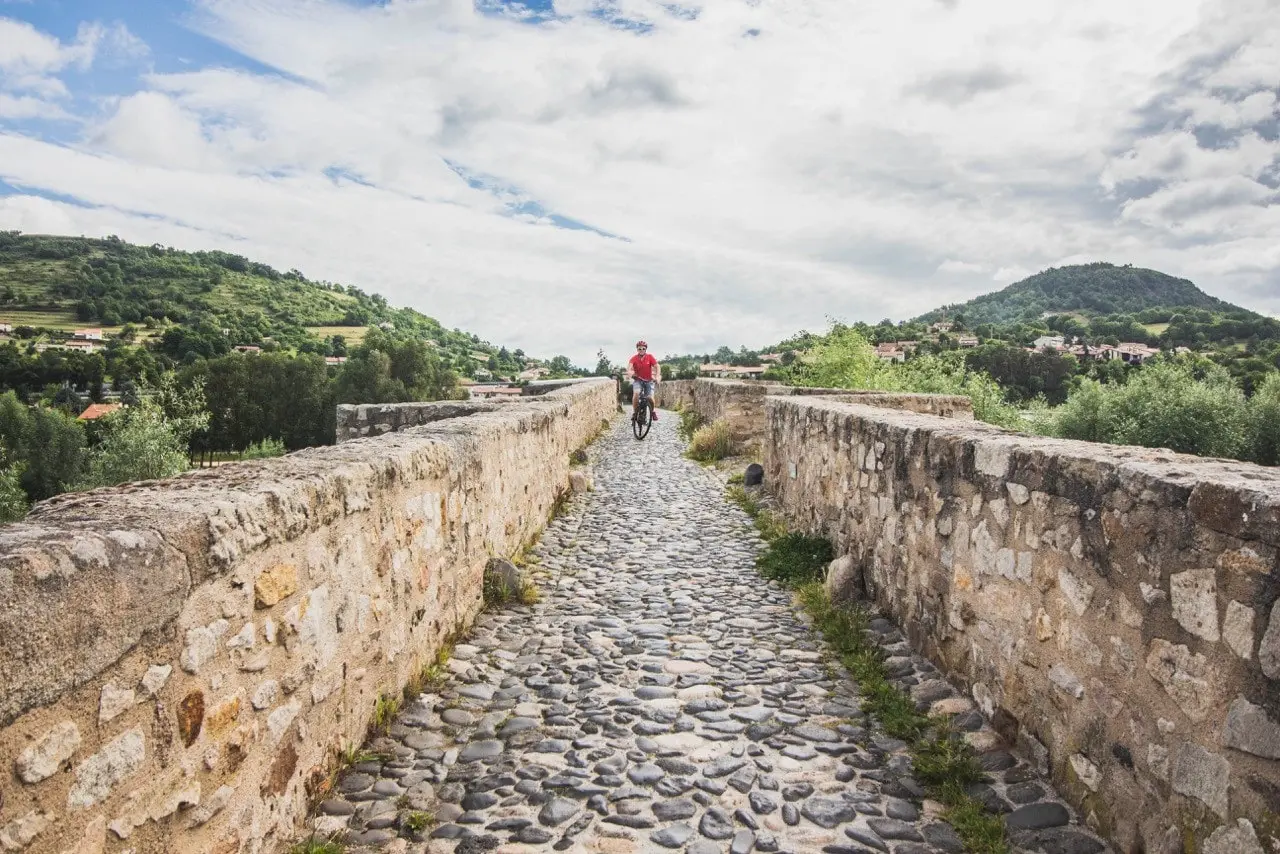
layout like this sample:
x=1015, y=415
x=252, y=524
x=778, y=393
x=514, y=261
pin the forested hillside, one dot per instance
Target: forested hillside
x=207, y=303
x=1093, y=288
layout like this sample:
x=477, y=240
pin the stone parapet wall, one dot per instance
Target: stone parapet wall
x=1113, y=609
x=180, y=660
x=375, y=419
x=741, y=403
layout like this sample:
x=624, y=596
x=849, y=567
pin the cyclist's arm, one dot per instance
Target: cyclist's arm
x=657, y=372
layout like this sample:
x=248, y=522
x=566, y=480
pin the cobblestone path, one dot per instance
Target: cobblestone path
x=662, y=696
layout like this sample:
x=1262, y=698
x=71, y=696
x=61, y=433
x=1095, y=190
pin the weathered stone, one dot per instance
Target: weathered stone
x=279, y=720
x=1086, y=772
x=202, y=645
x=1066, y=681
x=501, y=574
x=1187, y=678
x=1194, y=597
x=281, y=772
x=44, y=758
x=191, y=717
x=1248, y=728
x=754, y=475
x=1237, y=629
x=215, y=804
x=156, y=678
x=1076, y=591
x=264, y=697
x=223, y=714
x=1199, y=774
x=275, y=584
x=844, y=579
x=97, y=776
x=22, y=831
x=1238, y=838
x=1036, y=816
x=114, y=701
x=1269, y=651
x=579, y=481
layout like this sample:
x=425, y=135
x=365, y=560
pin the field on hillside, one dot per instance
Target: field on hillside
x=353, y=335
x=1156, y=328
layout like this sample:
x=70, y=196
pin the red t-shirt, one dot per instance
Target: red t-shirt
x=642, y=366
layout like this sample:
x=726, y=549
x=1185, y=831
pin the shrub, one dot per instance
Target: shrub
x=1177, y=404
x=265, y=449
x=1264, y=422
x=711, y=442
x=138, y=444
x=13, y=498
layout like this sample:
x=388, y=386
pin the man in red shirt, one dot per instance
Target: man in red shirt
x=643, y=369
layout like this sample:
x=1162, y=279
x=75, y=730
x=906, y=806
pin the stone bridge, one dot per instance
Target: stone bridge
x=186, y=666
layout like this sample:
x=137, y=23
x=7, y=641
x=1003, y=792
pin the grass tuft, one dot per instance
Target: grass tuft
x=418, y=821
x=795, y=559
x=711, y=442
x=384, y=713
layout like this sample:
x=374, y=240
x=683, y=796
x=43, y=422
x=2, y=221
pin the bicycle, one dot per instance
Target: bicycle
x=642, y=413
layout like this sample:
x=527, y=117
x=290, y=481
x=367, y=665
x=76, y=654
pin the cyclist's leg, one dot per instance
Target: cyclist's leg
x=635, y=396
x=653, y=404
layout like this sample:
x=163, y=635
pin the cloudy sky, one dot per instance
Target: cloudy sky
x=564, y=175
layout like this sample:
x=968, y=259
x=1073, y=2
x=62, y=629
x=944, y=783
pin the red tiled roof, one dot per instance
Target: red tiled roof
x=97, y=410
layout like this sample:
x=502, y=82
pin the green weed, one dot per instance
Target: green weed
x=795, y=559
x=384, y=713
x=418, y=821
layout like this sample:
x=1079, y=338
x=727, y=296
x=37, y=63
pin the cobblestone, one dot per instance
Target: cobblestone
x=662, y=696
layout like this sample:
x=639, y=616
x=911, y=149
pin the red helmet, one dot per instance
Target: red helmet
x=642, y=344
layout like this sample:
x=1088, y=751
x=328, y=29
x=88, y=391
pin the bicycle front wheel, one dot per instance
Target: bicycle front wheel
x=640, y=422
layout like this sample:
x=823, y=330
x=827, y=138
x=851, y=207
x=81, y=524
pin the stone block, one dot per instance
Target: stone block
x=1237, y=629
x=1238, y=838
x=1202, y=775
x=580, y=482
x=1066, y=681
x=844, y=579
x=42, y=759
x=1248, y=728
x=202, y=645
x=275, y=584
x=1193, y=596
x=1077, y=592
x=114, y=701
x=1269, y=651
x=98, y=776
x=1187, y=678
x=22, y=831
x=156, y=678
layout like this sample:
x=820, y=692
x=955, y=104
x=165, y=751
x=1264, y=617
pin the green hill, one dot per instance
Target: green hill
x=207, y=302
x=1095, y=289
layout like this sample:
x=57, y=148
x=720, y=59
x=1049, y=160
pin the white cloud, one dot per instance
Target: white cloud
x=849, y=160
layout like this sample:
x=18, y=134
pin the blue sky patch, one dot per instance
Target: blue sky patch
x=518, y=204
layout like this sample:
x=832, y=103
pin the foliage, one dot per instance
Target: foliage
x=384, y=369
x=47, y=443
x=1181, y=404
x=385, y=709
x=318, y=846
x=795, y=559
x=265, y=449
x=1264, y=422
x=711, y=442
x=138, y=443
x=846, y=359
x=418, y=821
x=13, y=498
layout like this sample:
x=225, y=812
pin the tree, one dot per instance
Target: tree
x=138, y=443
x=604, y=368
x=49, y=444
x=560, y=366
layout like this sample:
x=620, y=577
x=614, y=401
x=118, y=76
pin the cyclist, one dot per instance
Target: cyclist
x=643, y=371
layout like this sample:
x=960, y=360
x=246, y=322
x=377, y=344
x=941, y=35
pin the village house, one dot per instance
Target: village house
x=97, y=410
x=732, y=372
x=247, y=348
x=87, y=335
x=966, y=341
x=890, y=353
